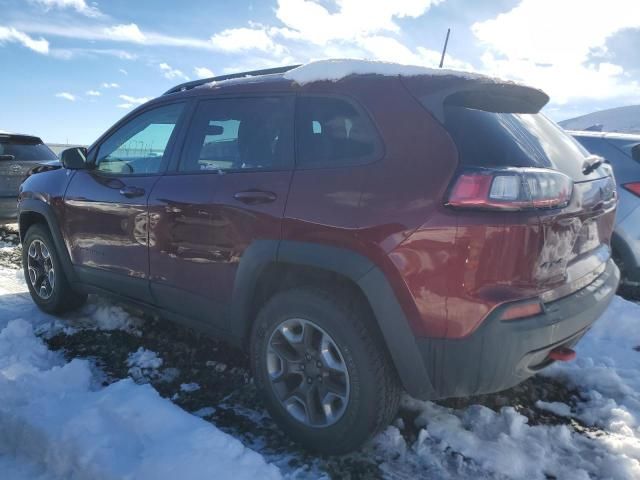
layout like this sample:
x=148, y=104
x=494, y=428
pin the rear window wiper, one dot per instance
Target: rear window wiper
x=591, y=163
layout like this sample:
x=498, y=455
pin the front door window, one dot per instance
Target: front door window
x=139, y=147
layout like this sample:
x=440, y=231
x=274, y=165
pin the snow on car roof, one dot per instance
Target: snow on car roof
x=339, y=68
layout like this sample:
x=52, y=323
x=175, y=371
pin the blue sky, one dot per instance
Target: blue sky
x=71, y=68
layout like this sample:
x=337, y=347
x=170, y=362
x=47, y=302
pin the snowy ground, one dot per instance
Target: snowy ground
x=106, y=393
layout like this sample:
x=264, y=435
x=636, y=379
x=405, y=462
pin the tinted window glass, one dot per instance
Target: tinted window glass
x=27, y=151
x=333, y=132
x=139, y=145
x=239, y=134
x=486, y=139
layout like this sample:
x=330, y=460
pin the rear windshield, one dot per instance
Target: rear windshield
x=487, y=139
x=629, y=147
x=27, y=151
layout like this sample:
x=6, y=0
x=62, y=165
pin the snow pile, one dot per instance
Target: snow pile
x=607, y=374
x=143, y=365
x=101, y=314
x=189, y=387
x=54, y=418
x=337, y=69
x=143, y=358
x=49, y=414
x=503, y=443
x=97, y=313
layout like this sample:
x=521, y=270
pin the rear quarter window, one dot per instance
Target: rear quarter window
x=333, y=132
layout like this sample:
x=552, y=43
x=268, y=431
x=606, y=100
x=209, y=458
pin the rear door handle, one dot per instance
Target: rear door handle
x=131, y=192
x=253, y=197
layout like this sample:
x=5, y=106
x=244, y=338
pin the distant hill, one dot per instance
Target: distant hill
x=621, y=119
x=58, y=148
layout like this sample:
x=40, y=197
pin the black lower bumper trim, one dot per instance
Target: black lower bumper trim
x=501, y=354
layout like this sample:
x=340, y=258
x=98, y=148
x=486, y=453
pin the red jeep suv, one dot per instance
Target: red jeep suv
x=359, y=228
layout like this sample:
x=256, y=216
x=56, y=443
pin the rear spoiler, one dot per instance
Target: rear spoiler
x=478, y=94
x=19, y=138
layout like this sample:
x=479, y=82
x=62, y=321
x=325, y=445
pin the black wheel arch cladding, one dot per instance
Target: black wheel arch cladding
x=365, y=275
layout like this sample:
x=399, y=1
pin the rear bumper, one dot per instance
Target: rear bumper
x=501, y=354
x=8, y=207
x=626, y=243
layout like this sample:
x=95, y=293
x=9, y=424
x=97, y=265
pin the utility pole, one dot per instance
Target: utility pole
x=444, y=49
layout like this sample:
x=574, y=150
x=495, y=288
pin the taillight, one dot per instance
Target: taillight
x=633, y=187
x=511, y=189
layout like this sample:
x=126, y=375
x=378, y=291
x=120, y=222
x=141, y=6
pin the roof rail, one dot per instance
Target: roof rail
x=253, y=73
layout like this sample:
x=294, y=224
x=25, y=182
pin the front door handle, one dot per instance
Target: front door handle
x=131, y=192
x=253, y=197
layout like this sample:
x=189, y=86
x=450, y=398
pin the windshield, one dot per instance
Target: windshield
x=487, y=139
x=27, y=151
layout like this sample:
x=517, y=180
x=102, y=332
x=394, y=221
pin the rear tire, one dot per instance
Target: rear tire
x=47, y=282
x=372, y=391
x=627, y=289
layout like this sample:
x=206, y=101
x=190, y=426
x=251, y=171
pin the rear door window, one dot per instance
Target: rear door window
x=333, y=132
x=239, y=134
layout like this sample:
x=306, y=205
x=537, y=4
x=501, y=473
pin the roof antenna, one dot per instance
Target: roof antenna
x=444, y=49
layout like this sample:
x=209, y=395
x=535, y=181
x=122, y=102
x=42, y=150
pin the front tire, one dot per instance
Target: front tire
x=323, y=371
x=47, y=282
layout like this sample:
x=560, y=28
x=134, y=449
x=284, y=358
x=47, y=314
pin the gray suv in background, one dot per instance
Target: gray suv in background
x=622, y=151
x=18, y=155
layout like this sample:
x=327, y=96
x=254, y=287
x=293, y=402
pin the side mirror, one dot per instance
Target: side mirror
x=7, y=158
x=74, y=158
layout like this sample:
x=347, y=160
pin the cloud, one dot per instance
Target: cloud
x=123, y=71
x=172, y=73
x=391, y=50
x=132, y=101
x=79, y=6
x=131, y=33
x=202, y=72
x=548, y=44
x=110, y=85
x=311, y=21
x=243, y=39
x=10, y=34
x=66, y=96
x=75, y=52
x=93, y=93
x=128, y=33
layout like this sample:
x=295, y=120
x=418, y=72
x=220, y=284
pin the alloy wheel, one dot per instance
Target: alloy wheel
x=42, y=274
x=308, y=373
